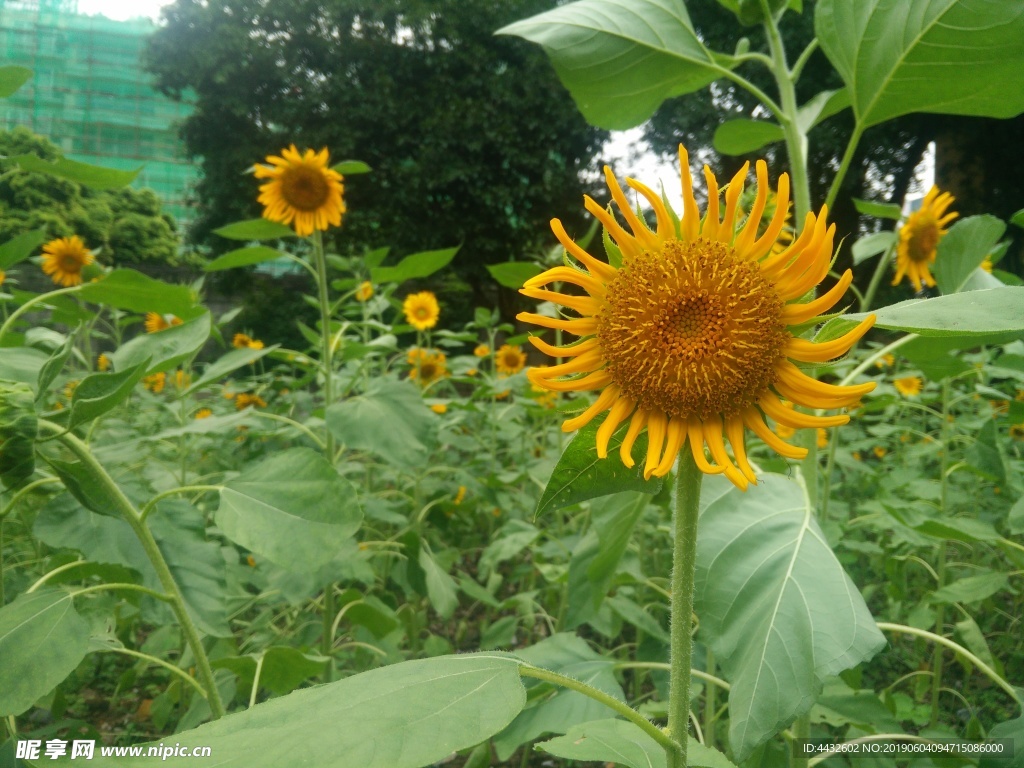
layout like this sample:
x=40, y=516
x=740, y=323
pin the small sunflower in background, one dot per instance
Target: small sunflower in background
x=428, y=366
x=3, y=276
x=509, y=359
x=244, y=399
x=155, y=383
x=909, y=386
x=103, y=363
x=156, y=322
x=481, y=350
x=365, y=291
x=64, y=259
x=242, y=341
x=302, y=192
x=919, y=239
x=421, y=310
x=690, y=338
x=204, y=413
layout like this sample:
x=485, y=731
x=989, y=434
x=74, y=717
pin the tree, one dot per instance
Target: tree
x=125, y=225
x=471, y=138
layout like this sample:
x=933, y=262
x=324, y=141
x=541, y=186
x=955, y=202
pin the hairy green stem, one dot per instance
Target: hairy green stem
x=684, y=563
x=670, y=745
x=156, y=558
x=165, y=664
x=151, y=504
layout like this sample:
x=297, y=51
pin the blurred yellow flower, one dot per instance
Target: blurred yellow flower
x=908, y=386
x=365, y=291
x=421, y=310
x=182, y=380
x=509, y=359
x=65, y=258
x=879, y=451
x=856, y=455
x=103, y=363
x=3, y=276
x=986, y=265
x=439, y=408
x=244, y=399
x=482, y=350
x=822, y=438
x=243, y=341
x=428, y=367
x=460, y=495
x=919, y=239
x=885, y=361
x=156, y=322
x=303, y=191
x=204, y=413
x=155, y=383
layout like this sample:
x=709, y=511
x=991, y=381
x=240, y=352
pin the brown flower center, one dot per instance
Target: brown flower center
x=304, y=188
x=70, y=263
x=692, y=330
x=924, y=239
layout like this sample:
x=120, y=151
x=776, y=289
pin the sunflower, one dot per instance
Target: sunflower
x=204, y=413
x=303, y=191
x=421, y=310
x=691, y=336
x=822, y=437
x=64, y=259
x=428, y=366
x=365, y=291
x=908, y=386
x=103, y=363
x=156, y=322
x=182, y=380
x=3, y=276
x=509, y=359
x=242, y=341
x=155, y=383
x=481, y=350
x=920, y=236
x=885, y=361
x=439, y=408
x=244, y=399
x=879, y=451
x=461, y=495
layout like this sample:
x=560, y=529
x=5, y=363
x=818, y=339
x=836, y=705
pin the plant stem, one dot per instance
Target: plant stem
x=684, y=562
x=710, y=704
x=844, y=165
x=31, y=303
x=940, y=611
x=876, y=279
x=153, y=553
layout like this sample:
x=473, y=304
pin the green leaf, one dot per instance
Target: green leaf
x=441, y=589
x=388, y=419
x=19, y=248
x=55, y=364
x=1014, y=731
x=42, y=640
x=167, y=348
x=776, y=606
x=821, y=107
x=1018, y=218
x=963, y=529
x=232, y=361
x=283, y=669
x=872, y=245
x=134, y=291
x=375, y=257
x=652, y=43
x=81, y=173
x=512, y=274
x=414, y=266
x=740, y=137
x=563, y=708
x=971, y=314
x=84, y=486
x=963, y=249
x=1015, y=519
x=351, y=167
x=243, y=257
x=406, y=715
x=293, y=509
x=12, y=77
x=253, y=229
x=596, y=557
x=972, y=589
x=580, y=475
x=878, y=210
x=22, y=364
x=18, y=431
x=100, y=392
x=512, y=539
x=896, y=56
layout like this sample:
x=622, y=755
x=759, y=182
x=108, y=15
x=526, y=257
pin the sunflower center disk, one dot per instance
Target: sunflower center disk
x=304, y=188
x=924, y=238
x=70, y=263
x=692, y=330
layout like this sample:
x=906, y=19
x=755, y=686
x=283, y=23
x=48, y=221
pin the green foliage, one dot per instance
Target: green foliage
x=17, y=433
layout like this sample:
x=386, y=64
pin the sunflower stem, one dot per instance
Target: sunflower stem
x=684, y=562
x=876, y=279
x=42, y=297
x=844, y=165
x=940, y=612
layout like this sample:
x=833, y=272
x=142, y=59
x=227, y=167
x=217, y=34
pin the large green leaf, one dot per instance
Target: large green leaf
x=254, y=229
x=42, y=640
x=54, y=365
x=972, y=589
x=973, y=313
x=414, y=266
x=19, y=248
x=180, y=532
x=620, y=59
x=134, y=291
x=293, y=509
x=282, y=669
x=12, y=77
x=741, y=136
x=775, y=606
x=244, y=257
x=622, y=742
x=596, y=558
x=1012, y=730
x=166, y=349
x=512, y=274
x=22, y=364
x=83, y=173
x=558, y=712
x=388, y=419
x=580, y=475
x=407, y=715
x=101, y=392
x=18, y=430
x=963, y=249
x=956, y=57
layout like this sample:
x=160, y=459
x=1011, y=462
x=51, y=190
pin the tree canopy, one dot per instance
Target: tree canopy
x=471, y=137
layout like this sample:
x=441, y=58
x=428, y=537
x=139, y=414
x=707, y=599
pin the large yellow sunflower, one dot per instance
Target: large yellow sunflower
x=509, y=359
x=65, y=258
x=691, y=337
x=421, y=310
x=302, y=192
x=920, y=236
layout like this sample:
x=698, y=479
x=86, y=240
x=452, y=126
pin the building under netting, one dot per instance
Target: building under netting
x=90, y=96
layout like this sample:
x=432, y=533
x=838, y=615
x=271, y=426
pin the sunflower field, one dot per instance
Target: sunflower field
x=702, y=498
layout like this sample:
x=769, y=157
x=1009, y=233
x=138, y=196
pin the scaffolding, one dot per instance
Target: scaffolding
x=90, y=96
